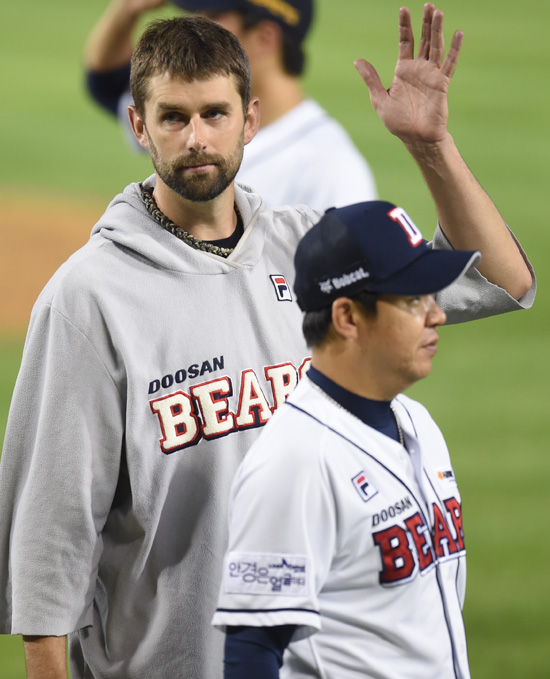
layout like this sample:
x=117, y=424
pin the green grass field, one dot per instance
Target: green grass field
x=490, y=387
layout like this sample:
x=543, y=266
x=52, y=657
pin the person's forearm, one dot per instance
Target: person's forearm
x=109, y=44
x=468, y=217
x=46, y=657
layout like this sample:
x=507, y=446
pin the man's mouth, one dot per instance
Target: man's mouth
x=431, y=345
x=199, y=167
x=199, y=164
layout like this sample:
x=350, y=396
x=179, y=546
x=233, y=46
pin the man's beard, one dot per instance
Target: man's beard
x=198, y=186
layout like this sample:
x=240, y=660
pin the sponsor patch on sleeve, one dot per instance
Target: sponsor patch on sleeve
x=446, y=477
x=266, y=574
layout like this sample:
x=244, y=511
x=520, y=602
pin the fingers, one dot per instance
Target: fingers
x=427, y=17
x=450, y=62
x=437, y=41
x=432, y=41
x=406, y=37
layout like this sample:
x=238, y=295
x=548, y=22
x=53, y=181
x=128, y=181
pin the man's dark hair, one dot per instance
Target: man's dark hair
x=293, y=54
x=189, y=48
x=316, y=324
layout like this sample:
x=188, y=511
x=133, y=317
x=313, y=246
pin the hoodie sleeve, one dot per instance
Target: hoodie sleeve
x=58, y=475
x=472, y=296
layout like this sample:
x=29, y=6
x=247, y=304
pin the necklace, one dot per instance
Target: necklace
x=177, y=231
x=399, y=430
x=339, y=405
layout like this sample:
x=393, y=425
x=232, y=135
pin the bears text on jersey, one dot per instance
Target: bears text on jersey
x=204, y=411
x=415, y=548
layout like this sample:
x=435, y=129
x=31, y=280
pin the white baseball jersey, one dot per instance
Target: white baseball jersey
x=338, y=529
x=149, y=369
x=304, y=157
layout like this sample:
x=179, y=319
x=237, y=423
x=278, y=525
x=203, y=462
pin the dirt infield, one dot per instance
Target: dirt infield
x=37, y=233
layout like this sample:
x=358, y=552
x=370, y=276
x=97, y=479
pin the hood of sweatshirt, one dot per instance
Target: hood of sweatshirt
x=127, y=223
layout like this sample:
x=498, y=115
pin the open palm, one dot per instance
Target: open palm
x=415, y=108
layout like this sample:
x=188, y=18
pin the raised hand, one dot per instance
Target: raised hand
x=415, y=108
x=109, y=44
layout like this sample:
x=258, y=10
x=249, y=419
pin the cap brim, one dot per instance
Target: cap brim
x=431, y=272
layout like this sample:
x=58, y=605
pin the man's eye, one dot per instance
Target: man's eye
x=172, y=117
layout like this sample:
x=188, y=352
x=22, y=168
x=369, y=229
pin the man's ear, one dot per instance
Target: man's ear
x=345, y=317
x=251, y=120
x=138, y=126
x=268, y=39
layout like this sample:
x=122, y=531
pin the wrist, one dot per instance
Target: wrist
x=45, y=657
x=433, y=153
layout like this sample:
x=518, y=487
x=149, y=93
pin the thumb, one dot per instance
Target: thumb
x=371, y=79
x=369, y=74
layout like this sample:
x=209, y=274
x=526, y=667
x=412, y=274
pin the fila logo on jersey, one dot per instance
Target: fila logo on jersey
x=205, y=411
x=281, y=288
x=365, y=489
x=415, y=548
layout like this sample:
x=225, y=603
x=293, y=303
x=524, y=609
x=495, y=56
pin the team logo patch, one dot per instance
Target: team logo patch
x=266, y=573
x=365, y=489
x=406, y=223
x=446, y=477
x=282, y=289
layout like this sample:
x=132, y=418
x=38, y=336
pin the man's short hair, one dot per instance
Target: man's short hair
x=316, y=324
x=189, y=48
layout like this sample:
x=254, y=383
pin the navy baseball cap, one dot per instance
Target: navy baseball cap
x=373, y=246
x=295, y=16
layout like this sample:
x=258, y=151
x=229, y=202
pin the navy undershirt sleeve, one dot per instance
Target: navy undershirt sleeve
x=255, y=652
x=107, y=87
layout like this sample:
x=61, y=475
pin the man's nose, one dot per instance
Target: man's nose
x=436, y=316
x=196, y=137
